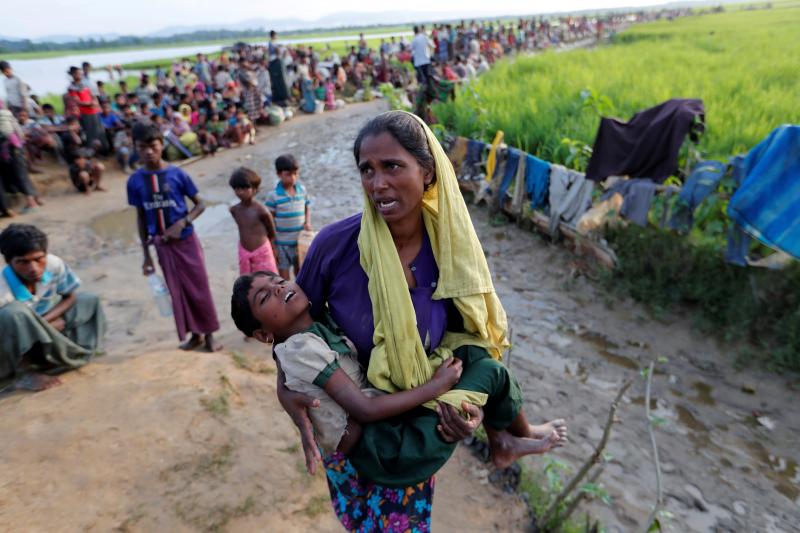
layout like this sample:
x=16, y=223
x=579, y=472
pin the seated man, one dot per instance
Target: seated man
x=47, y=327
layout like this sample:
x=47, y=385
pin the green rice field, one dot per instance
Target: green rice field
x=745, y=65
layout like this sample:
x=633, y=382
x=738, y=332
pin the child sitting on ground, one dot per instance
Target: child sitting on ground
x=290, y=208
x=256, y=227
x=319, y=361
x=246, y=127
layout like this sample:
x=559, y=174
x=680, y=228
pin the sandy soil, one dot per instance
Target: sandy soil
x=149, y=438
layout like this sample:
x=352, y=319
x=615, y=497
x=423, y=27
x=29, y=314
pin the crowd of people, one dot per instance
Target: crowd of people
x=204, y=104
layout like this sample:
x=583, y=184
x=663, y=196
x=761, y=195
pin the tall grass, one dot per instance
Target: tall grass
x=743, y=64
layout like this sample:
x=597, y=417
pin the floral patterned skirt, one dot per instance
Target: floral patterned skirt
x=363, y=506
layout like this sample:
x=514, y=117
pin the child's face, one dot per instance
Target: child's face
x=150, y=152
x=276, y=304
x=288, y=177
x=245, y=194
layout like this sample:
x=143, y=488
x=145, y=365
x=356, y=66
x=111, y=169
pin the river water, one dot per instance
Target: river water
x=49, y=75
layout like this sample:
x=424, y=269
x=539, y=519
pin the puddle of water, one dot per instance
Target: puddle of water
x=619, y=360
x=698, y=434
x=605, y=348
x=117, y=226
x=688, y=419
x=703, y=393
x=782, y=471
x=598, y=340
x=215, y=220
x=120, y=226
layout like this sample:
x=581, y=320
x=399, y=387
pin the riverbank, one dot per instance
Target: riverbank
x=293, y=36
x=139, y=439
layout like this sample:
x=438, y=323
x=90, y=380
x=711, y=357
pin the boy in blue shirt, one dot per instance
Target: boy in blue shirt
x=47, y=325
x=289, y=204
x=158, y=191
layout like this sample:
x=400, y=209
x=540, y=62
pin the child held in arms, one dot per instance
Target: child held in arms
x=318, y=360
x=158, y=191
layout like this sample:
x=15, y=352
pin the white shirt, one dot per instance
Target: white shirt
x=58, y=281
x=420, y=50
x=16, y=92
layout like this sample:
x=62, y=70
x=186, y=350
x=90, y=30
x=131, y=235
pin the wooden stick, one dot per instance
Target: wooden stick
x=593, y=460
x=576, y=501
x=656, y=462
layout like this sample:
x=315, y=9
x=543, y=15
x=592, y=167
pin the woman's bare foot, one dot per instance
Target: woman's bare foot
x=506, y=448
x=559, y=425
x=193, y=342
x=212, y=345
x=31, y=381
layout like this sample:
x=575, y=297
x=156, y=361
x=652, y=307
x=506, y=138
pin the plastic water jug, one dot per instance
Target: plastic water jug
x=160, y=294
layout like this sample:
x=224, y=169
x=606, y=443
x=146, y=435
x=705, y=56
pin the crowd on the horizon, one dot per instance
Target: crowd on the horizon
x=205, y=104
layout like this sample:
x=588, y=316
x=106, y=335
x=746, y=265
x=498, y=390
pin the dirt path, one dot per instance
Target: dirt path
x=169, y=441
x=148, y=438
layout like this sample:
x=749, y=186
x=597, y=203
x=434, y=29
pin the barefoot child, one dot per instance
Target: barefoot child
x=320, y=362
x=158, y=191
x=289, y=204
x=256, y=227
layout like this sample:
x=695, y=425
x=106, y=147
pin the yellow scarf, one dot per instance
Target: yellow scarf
x=398, y=360
x=491, y=160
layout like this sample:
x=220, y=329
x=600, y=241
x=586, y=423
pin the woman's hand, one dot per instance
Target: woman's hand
x=452, y=426
x=296, y=405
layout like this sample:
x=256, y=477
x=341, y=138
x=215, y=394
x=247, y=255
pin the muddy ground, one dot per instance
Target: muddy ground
x=148, y=438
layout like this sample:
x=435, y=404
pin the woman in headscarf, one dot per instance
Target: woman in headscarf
x=407, y=282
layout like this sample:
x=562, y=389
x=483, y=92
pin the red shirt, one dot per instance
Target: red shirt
x=85, y=99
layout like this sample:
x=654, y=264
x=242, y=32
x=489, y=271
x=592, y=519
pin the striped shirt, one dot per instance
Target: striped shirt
x=289, y=213
x=58, y=281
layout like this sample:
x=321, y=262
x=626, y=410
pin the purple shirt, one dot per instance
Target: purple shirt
x=332, y=275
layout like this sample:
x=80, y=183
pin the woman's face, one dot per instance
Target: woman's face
x=392, y=178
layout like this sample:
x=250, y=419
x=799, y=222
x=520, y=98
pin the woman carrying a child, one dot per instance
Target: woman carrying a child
x=407, y=282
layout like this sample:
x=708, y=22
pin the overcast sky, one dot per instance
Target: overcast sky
x=36, y=18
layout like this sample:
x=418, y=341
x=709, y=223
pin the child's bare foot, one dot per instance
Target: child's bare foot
x=558, y=425
x=211, y=345
x=506, y=448
x=31, y=381
x=193, y=342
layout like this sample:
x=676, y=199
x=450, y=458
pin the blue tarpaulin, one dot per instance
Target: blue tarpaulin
x=767, y=203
